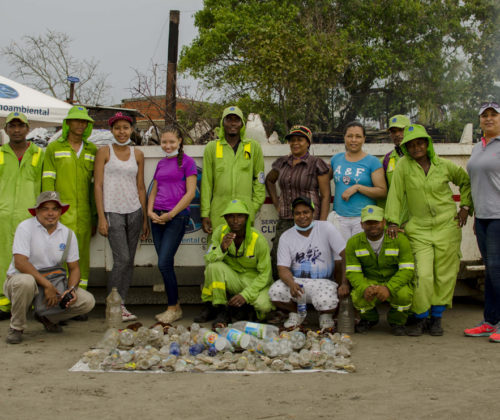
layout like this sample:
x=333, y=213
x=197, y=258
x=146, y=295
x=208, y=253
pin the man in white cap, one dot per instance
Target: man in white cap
x=40, y=242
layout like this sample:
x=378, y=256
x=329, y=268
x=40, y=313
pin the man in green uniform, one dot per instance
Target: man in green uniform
x=380, y=269
x=397, y=124
x=421, y=184
x=233, y=168
x=238, y=265
x=20, y=182
x=68, y=169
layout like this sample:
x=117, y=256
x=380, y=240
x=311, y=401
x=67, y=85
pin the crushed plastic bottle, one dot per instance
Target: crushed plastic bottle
x=114, y=309
x=175, y=348
x=127, y=337
x=256, y=329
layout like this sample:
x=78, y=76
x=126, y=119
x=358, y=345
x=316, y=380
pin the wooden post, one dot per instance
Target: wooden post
x=173, y=42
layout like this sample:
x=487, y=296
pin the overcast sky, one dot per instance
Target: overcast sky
x=121, y=34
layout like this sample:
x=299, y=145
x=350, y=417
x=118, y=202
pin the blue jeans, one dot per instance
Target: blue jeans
x=488, y=240
x=167, y=239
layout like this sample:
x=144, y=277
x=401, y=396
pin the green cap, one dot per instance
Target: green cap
x=415, y=131
x=399, y=121
x=372, y=212
x=78, y=112
x=236, y=206
x=16, y=116
x=232, y=110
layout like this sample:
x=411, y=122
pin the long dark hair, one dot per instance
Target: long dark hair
x=355, y=124
x=177, y=133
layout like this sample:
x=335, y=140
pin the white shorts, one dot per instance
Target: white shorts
x=322, y=293
x=349, y=226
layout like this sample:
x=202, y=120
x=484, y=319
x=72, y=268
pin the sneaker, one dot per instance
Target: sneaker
x=127, y=315
x=326, y=321
x=416, y=328
x=14, y=336
x=294, y=320
x=484, y=329
x=495, y=337
x=48, y=325
x=397, y=330
x=208, y=313
x=170, y=316
x=364, y=325
x=434, y=327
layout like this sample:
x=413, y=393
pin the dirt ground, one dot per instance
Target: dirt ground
x=397, y=378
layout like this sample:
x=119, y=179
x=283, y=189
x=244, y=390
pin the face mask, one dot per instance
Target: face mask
x=172, y=154
x=122, y=144
x=304, y=229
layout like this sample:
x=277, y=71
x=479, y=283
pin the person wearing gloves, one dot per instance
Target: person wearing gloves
x=20, y=182
x=69, y=169
x=309, y=254
x=233, y=168
x=397, y=124
x=238, y=267
x=421, y=183
x=380, y=269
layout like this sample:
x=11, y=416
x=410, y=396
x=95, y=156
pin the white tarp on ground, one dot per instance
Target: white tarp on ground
x=42, y=110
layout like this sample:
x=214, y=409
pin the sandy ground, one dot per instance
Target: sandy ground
x=397, y=378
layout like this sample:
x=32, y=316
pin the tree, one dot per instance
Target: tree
x=44, y=63
x=325, y=62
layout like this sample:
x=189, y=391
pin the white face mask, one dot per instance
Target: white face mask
x=122, y=144
x=172, y=154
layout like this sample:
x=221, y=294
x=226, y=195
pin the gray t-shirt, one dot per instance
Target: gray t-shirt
x=484, y=172
x=312, y=256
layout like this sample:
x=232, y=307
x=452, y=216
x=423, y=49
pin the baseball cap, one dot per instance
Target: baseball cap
x=303, y=200
x=372, y=212
x=119, y=116
x=300, y=130
x=16, y=116
x=486, y=105
x=399, y=121
x=48, y=196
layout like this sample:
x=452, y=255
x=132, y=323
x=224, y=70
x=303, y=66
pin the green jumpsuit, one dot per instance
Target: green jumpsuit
x=432, y=228
x=20, y=184
x=393, y=268
x=72, y=177
x=246, y=271
x=228, y=176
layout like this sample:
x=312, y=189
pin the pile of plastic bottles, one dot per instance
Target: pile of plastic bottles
x=243, y=346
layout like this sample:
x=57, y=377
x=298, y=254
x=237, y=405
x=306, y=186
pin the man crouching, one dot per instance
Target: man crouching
x=238, y=265
x=40, y=243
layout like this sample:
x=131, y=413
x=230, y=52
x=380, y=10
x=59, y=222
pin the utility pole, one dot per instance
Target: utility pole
x=173, y=43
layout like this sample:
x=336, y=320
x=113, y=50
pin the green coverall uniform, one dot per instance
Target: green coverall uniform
x=72, y=177
x=393, y=268
x=20, y=184
x=227, y=175
x=432, y=228
x=246, y=271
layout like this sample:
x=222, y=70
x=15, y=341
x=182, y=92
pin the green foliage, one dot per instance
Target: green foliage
x=323, y=63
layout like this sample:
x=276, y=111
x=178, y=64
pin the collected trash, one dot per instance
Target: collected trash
x=240, y=347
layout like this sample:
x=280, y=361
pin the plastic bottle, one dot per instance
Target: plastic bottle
x=298, y=339
x=345, y=319
x=236, y=337
x=302, y=303
x=110, y=339
x=209, y=338
x=142, y=337
x=196, y=349
x=114, y=309
x=127, y=337
x=256, y=329
x=175, y=349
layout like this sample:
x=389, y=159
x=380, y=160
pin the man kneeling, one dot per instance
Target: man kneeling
x=40, y=242
x=306, y=262
x=238, y=265
x=380, y=269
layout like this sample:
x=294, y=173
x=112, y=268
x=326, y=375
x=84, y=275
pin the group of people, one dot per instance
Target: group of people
x=394, y=235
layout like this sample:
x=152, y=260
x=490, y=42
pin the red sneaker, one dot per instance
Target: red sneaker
x=484, y=329
x=495, y=337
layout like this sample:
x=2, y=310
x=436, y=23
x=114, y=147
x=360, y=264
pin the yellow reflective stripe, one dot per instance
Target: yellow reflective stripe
x=62, y=154
x=392, y=251
x=89, y=157
x=206, y=291
x=401, y=308
x=353, y=268
x=407, y=266
x=391, y=165
x=49, y=174
x=218, y=150
x=83, y=283
x=246, y=150
x=219, y=285
x=251, y=247
x=1, y=157
x=223, y=231
x=36, y=157
x=362, y=252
